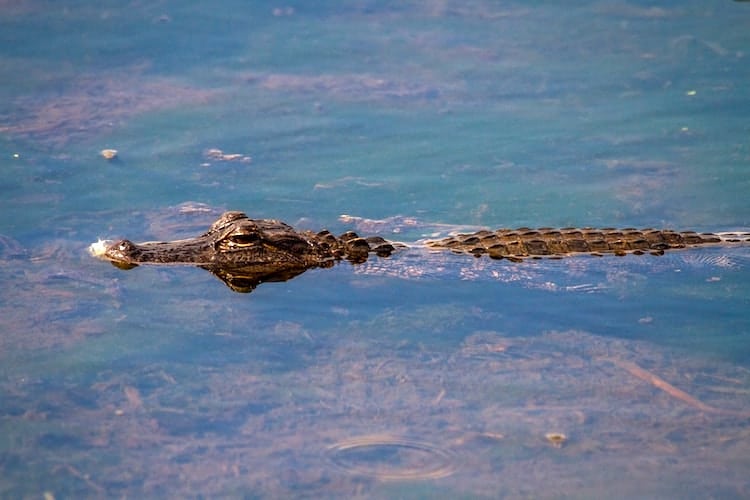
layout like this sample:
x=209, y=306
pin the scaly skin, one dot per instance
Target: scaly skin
x=243, y=252
x=517, y=244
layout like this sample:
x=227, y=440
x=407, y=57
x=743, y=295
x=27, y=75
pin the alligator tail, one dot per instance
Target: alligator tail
x=518, y=244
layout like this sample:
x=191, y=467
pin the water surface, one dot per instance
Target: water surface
x=419, y=375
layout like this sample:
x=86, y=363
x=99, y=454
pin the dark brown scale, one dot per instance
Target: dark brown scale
x=691, y=238
x=380, y=246
x=639, y=244
x=551, y=233
x=598, y=246
x=483, y=233
x=348, y=236
x=619, y=247
x=710, y=238
x=653, y=236
x=557, y=246
x=672, y=238
x=516, y=247
x=498, y=251
x=537, y=247
x=577, y=245
x=357, y=250
x=569, y=235
x=470, y=240
x=327, y=238
x=489, y=240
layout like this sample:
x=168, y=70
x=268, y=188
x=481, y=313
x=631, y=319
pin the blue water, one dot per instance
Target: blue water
x=417, y=376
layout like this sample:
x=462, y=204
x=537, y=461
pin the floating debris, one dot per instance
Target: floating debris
x=217, y=154
x=282, y=12
x=556, y=439
x=108, y=154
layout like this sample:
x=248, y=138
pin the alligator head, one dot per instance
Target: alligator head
x=244, y=252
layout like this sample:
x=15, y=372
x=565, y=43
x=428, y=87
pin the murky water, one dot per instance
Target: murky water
x=420, y=375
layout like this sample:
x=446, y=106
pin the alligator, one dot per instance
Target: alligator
x=245, y=252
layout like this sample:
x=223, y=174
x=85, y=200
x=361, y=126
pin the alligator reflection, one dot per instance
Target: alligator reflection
x=240, y=279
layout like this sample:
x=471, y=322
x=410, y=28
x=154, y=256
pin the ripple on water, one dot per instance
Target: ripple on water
x=390, y=458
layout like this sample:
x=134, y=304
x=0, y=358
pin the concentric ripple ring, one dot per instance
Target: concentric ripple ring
x=391, y=458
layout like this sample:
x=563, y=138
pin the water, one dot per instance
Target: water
x=421, y=375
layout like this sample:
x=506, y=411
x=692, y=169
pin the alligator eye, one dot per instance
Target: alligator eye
x=126, y=246
x=243, y=240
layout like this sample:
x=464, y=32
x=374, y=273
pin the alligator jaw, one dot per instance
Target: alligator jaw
x=125, y=254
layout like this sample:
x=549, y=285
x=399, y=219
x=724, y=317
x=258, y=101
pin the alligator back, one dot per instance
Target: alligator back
x=517, y=244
